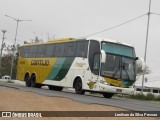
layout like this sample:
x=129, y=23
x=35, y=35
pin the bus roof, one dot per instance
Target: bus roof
x=59, y=40
x=110, y=40
x=72, y=39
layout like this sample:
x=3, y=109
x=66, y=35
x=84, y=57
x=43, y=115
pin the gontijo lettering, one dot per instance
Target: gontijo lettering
x=40, y=62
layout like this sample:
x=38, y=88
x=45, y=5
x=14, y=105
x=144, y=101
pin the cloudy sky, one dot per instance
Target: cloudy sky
x=78, y=18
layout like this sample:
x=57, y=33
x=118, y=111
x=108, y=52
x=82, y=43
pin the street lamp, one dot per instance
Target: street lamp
x=3, y=31
x=145, y=54
x=17, y=20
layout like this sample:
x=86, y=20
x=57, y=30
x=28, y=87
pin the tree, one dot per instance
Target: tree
x=36, y=40
x=140, y=67
x=7, y=60
x=6, y=64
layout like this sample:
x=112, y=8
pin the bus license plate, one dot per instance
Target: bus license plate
x=118, y=90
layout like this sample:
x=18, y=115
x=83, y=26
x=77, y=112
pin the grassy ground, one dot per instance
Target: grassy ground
x=148, y=97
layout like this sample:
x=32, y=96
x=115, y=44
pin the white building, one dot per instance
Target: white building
x=151, y=84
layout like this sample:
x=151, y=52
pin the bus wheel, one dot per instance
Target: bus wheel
x=33, y=82
x=78, y=87
x=107, y=95
x=56, y=88
x=27, y=80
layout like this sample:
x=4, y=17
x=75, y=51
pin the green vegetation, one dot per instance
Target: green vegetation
x=148, y=97
x=7, y=60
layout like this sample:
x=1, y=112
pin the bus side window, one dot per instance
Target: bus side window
x=40, y=50
x=33, y=50
x=22, y=51
x=96, y=62
x=82, y=48
x=27, y=51
x=49, y=50
x=93, y=49
x=70, y=49
x=59, y=50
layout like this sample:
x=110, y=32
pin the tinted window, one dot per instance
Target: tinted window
x=22, y=51
x=70, y=49
x=59, y=50
x=146, y=90
x=155, y=91
x=118, y=49
x=27, y=51
x=82, y=48
x=96, y=63
x=40, y=50
x=49, y=50
x=93, y=49
x=33, y=50
x=138, y=89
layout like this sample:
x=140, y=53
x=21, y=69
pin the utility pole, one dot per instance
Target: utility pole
x=3, y=31
x=14, y=48
x=145, y=54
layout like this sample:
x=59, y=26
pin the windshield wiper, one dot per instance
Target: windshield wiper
x=117, y=69
x=126, y=72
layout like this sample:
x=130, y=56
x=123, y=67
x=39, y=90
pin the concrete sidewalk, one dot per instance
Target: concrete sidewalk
x=17, y=82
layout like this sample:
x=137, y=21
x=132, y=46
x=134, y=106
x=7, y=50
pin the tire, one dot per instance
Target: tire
x=27, y=80
x=107, y=95
x=33, y=82
x=78, y=87
x=56, y=88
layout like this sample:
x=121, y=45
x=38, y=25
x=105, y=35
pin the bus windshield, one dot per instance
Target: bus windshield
x=118, y=49
x=120, y=63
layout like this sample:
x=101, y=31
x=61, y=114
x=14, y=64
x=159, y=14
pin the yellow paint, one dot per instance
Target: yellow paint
x=61, y=40
x=113, y=81
x=91, y=84
x=80, y=64
x=52, y=41
x=24, y=66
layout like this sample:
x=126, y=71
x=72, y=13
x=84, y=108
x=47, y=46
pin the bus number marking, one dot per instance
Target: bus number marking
x=22, y=62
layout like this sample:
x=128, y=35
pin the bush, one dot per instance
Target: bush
x=147, y=97
x=138, y=96
x=150, y=96
x=157, y=98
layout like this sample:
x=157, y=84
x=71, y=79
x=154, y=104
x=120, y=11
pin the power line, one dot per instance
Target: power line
x=155, y=13
x=115, y=26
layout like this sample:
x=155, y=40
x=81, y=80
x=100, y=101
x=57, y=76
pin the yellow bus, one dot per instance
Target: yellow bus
x=90, y=64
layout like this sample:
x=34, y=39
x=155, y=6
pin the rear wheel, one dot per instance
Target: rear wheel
x=27, y=80
x=33, y=82
x=78, y=87
x=107, y=95
x=56, y=88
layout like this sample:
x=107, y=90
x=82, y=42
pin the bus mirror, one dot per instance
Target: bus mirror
x=103, y=56
x=136, y=58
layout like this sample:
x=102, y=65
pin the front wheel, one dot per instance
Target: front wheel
x=107, y=95
x=78, y=87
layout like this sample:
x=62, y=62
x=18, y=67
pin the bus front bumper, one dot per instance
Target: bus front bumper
x=113, y=89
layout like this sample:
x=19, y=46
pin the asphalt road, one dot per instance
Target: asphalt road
x=129, y=104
